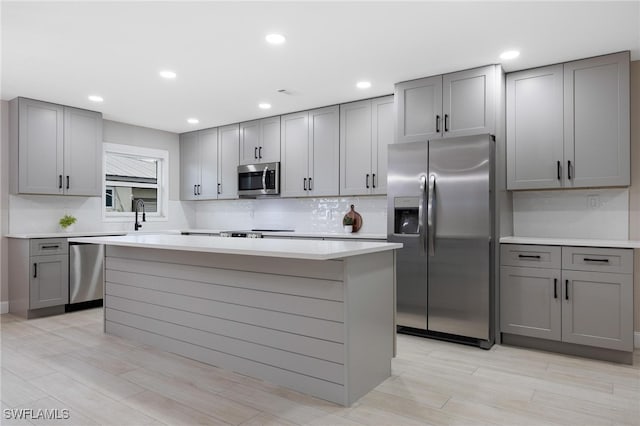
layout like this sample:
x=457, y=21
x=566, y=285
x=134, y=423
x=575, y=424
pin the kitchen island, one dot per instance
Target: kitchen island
x=314, y=316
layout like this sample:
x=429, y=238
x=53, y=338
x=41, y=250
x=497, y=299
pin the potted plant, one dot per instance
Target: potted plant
x=347, y=223
x=66, y=222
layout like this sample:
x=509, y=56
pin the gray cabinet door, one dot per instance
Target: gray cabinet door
x=355, y=148
x=468, y=102
x=82, y=152
x=535, y=157
x=382, y=130
x=228, y=160
x=324, y=145
x=294, y=173
x=189, y=166
x=208, y=145
x=530, y=302
x=596, y=116
x=418, y=106
x=269, y=147
x=597, y=309
x=49, y=282
x=40, y=147
x=249, y=141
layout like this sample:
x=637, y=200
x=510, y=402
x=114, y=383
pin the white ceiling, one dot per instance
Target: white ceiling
x=62, y=52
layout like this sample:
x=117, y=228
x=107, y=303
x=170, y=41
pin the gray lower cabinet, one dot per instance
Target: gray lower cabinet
x=38, y=276
x=588, y=300
x=49, y=283
x=54, y=149
x=530, y=302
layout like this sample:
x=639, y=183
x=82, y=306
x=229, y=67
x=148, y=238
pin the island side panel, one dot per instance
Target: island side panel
x=369, y=321
x=271, y=322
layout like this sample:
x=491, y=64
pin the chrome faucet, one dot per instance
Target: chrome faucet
x=139, y=203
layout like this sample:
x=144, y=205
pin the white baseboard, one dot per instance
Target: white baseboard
x=636, y=339
x=4, y=308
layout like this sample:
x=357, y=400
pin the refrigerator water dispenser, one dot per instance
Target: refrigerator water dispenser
x=406, y=215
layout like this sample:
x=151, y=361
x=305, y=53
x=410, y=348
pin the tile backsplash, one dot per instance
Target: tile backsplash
x=299, y=214
x=584, y=213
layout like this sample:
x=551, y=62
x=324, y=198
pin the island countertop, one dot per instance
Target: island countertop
x=291, y=249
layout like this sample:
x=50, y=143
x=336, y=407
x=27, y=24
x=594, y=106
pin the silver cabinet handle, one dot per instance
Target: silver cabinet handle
x=264, y=178
x=431, y=215
x=421, y=210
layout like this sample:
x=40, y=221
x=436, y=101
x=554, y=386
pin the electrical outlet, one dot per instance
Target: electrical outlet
x=593, y=202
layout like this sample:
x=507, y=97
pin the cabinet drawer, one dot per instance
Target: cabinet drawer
x=48, y=246
x=530, y=256
x=598, y=259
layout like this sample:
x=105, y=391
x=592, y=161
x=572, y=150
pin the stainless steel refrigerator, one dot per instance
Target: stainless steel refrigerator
x=440, y=206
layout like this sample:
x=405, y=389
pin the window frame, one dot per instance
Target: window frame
x=162, y=213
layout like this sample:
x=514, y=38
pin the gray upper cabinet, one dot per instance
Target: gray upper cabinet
x=55, y=149
x=535, y=128
x=199, y=165
x=456, y=104
x=189, y=165
x=597, y=129
x=366, y=130
x=419, y=109
x=468, y=101
x=568, y=125
x=82, y=152
x=310, y=153
x=294, y=174
x=260, y=141
x=228, y=160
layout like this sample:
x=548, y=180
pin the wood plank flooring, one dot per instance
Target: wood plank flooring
x=67, y=362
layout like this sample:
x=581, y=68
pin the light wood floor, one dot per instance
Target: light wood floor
x=66, y=362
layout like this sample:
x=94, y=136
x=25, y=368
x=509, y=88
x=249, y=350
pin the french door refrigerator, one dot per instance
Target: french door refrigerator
x=440, y=206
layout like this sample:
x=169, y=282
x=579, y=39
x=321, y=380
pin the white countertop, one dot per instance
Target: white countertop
x=296, y=234
x=354, y=235
x=580, y=242
x=65, y=234
x=293, y=249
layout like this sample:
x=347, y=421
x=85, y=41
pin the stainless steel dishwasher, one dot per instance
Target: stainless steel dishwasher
x=86, y=275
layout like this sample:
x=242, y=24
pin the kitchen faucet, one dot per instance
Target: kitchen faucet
x=139, y=203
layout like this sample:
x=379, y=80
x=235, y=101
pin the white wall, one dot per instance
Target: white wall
x=299, y=214
x=40, y=213
x=588, y=213
x=4, y=216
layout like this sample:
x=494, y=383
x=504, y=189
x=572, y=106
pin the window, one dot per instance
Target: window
x=131, y=174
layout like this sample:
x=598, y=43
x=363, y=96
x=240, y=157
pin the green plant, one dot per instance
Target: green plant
x=348, y=220
x=67, y=220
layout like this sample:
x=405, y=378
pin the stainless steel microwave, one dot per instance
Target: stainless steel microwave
x=259, y=179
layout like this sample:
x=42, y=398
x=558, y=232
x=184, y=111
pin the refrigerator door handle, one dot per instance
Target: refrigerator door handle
x=421, y=209
x=431, y=215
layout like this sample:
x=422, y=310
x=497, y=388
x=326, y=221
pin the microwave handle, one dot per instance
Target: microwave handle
x=264, y=178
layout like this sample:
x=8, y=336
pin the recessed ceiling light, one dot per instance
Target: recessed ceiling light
x=275, y=38
x=509, y=54
x=363, y=84
x=95, y=98
x=193, y=120
x=264, y=105
x=168, y=74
